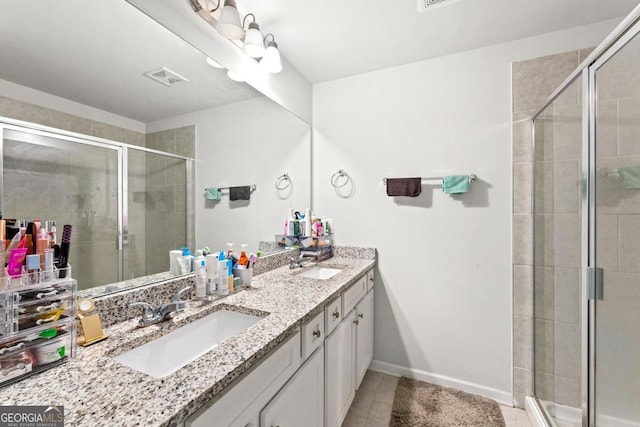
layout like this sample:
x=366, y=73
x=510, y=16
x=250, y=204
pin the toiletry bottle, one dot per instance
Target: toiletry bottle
x=243, y=261
x=229, y=249
x=230, y=274
x=201, y=277
x=307, y=222
x=211, y=261
x=223, y=279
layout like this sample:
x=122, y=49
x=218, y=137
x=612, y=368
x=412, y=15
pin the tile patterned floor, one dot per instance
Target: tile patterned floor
x=372, y=404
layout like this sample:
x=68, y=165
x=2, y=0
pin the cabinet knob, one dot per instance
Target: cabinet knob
x=361, y=315
x=316, y=333
x=371, y=279
x=357, y=322
x=336, y=314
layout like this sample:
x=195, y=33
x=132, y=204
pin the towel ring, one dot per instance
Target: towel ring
x=283, y=179
x=336, y=176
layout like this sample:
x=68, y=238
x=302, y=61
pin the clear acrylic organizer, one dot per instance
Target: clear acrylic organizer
x=37, y=322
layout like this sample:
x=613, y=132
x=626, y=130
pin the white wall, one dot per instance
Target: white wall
x=443, y=289
x=249, y=142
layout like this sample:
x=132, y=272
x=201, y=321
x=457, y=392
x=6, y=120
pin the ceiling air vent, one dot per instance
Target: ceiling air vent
x=166, y=76
x=424, y=5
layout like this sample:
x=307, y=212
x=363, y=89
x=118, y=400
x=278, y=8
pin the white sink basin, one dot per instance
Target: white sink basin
x=167, y=354
x=321, y=273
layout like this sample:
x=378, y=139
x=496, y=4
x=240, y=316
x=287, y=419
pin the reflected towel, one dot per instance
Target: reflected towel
x=630, y=177
x=455, y=184
x=410, y=187
x=213, y=193
x=240, y=193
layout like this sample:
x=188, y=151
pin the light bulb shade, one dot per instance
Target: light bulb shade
x=236, y=77
x=213, y=63
x=253, y=45
x=271, y=62
x=229, y=24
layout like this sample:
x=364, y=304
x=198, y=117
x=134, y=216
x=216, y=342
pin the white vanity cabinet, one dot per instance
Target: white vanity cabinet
x=311, y=379
x=364, y=336
x=339, y=371
x=301, y=400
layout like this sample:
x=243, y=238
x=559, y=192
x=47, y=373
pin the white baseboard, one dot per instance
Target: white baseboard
x=502, y=397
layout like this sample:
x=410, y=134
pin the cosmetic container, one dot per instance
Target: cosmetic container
x=201, y=277
x=211, y=261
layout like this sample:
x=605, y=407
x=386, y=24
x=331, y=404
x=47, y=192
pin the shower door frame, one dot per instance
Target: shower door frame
x=122, y=150
x=619, y=37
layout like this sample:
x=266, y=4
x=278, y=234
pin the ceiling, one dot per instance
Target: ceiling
x=95, y=53
x=331, y=39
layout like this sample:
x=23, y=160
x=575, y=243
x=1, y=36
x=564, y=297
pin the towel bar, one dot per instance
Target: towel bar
x=472, y=178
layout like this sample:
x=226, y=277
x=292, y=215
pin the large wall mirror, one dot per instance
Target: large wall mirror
x=78, y=69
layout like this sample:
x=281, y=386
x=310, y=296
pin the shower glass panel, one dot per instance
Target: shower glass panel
x=51, y=178
x=617, y=237
x=157, y=205
x=557, y=256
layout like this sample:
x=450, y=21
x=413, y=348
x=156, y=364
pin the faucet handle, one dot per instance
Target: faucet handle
x=178, y=295
x=148, y=309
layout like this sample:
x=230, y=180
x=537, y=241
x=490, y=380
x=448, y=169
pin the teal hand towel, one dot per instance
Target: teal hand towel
x=213, y=193
x=630, y=177
x=455, y=184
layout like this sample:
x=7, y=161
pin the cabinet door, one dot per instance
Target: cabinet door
x=339, y=371
x=301, y=400
x=364, y=336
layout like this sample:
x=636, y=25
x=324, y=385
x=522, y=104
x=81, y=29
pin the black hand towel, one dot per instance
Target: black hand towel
x=240, y=193
x=410, y=187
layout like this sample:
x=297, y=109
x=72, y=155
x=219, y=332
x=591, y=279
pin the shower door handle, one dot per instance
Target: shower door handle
x=596, y=283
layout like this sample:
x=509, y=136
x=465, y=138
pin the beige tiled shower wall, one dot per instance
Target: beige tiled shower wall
x=557, y=209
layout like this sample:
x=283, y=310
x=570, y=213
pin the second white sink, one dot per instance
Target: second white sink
x=321, y=273
x=167, y=354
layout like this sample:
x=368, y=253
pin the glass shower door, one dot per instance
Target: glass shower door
x=71, y=181
x=616, y=250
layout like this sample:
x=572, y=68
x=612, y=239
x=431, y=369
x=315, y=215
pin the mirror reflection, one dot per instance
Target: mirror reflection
x=75, y=70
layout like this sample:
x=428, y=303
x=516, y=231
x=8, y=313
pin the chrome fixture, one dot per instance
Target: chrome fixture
x=297, y=262
x=152, y=316
x=253, y=45
x=270, y=61
x=229, y=25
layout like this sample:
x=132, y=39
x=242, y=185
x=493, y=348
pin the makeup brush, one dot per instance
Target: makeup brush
x=63, y=258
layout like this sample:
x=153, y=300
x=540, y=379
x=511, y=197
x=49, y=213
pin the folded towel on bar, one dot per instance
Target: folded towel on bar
x=213, y=193
x=240, y=193
x=630, y=177
x=455, y=184
x=410, y=187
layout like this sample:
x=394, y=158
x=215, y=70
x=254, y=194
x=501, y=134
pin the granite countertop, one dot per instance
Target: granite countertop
x=96, y=390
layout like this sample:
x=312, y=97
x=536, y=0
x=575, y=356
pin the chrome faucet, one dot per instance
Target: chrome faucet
x=296, y=262
x=166, y=311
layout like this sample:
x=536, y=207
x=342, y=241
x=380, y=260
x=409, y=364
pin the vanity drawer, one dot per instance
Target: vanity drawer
x=351, y=296
x=312, y=335
x=333, y=314
x=370, y=279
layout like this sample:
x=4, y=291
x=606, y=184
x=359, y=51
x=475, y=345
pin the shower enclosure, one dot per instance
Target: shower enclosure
x=587, y=240
x=127, y=204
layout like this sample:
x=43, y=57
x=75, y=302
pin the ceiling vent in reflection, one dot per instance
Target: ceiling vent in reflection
x=424, y=5
x=166, y=76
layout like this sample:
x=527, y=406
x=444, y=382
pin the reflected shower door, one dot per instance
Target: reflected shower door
x=157, y=211
x=617, y=236
x=48, y=177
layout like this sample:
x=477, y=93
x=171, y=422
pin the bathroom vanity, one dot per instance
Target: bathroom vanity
x=300, y=364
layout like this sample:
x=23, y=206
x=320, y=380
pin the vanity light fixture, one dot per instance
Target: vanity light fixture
x=236, y=77
x=270, y=61
x=253, y=45
x=229, y=25
x=213, y=63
